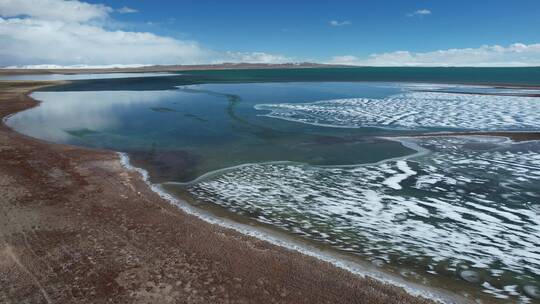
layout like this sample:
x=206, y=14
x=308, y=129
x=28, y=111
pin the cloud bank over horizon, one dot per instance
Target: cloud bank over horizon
x=64, y=33
x=514, y=55
x=60, y=33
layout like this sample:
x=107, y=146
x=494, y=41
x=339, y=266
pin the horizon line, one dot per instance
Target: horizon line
x=243, y=64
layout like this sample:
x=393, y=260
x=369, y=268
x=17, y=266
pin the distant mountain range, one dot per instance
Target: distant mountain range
x=49, y=69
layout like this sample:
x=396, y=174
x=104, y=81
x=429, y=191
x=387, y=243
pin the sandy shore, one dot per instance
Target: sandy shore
x=76, y=227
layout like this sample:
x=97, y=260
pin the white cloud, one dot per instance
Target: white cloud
x=34, y=41
x=339, y=23
x=127, y=10
x=58, y=32
x=54, y=10
x=517, y=54
x=420, y=12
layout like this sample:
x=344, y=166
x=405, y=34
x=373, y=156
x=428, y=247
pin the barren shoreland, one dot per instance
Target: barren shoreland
x=78, y=227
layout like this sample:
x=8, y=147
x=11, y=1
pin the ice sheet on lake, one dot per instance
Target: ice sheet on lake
x=471, y=202
x=417, y=110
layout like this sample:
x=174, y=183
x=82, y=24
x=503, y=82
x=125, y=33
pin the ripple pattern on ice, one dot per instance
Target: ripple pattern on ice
x=417, y=110
x=471, y=201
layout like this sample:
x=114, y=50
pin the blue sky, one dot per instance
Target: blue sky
x=399, y=32
x=301, y=28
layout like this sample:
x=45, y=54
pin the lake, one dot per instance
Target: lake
x=326, y=157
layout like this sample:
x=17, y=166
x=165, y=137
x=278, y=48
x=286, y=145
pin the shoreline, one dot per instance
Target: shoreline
x=337, y=259
x=282, y=239
x=443, y=289
x=80, y=227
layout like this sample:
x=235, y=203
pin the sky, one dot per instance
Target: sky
x=376, y=33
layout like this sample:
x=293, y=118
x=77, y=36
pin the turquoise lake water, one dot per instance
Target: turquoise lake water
x=319, y=158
